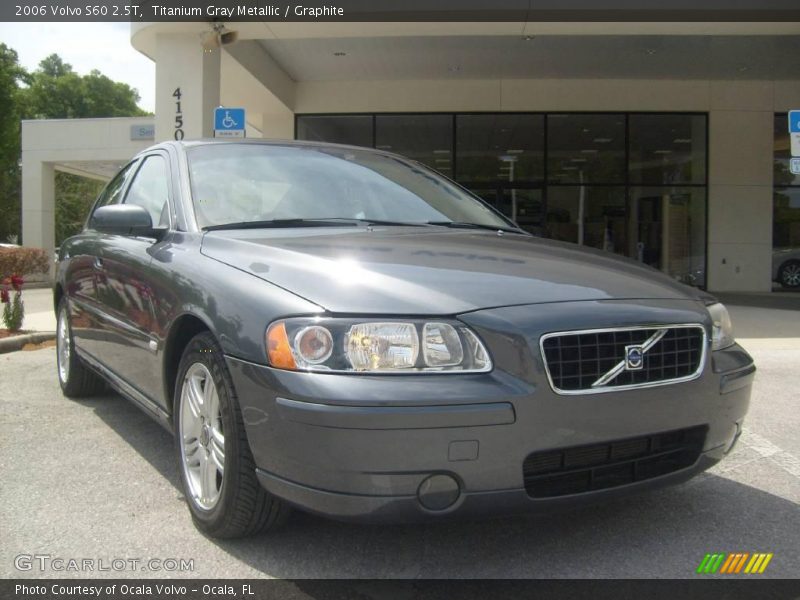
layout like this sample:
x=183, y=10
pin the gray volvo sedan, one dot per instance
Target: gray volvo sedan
x=345, y=331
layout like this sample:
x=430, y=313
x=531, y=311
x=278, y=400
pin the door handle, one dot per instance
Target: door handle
x=98, y=263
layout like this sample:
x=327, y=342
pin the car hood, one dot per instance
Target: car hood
x=432, y=270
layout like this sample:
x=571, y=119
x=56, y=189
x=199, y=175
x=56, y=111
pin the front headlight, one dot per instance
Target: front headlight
x=722, y=328
x=375, y=346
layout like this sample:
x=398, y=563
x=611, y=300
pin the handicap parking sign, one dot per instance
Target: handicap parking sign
x=229, y=122
x=794, y=132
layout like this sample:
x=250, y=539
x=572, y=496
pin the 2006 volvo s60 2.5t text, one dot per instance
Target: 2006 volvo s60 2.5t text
x=345, y=331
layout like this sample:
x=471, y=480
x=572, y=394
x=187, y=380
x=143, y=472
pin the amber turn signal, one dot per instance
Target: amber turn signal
x=279, y=351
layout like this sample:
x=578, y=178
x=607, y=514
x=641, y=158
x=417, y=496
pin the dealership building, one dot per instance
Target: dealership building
x=664, y=142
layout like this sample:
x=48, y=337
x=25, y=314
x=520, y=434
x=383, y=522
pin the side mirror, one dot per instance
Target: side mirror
x=125, y=219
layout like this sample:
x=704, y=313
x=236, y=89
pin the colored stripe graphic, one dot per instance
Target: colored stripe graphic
x=765, y=563
x=729, y=563
x=733, y=562
x=741, y=562
x=701, y=568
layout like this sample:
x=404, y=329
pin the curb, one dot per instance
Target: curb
x=11, y=344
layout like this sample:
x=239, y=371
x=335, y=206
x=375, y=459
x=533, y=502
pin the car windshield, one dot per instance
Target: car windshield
x=251, y=183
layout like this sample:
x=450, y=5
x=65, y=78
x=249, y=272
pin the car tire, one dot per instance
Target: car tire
x=217, y=469
x=75, y=378
x=789, y=274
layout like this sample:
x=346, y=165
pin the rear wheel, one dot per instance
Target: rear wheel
x=217, y=467
x=789, y=274
x=75, y=378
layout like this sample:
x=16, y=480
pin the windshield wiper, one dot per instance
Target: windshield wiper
x=312, y=222
x=464, y=225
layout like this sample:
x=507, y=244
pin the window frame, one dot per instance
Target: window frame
x=171, y=217
x=126, y=172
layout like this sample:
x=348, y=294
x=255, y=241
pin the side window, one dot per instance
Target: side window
x=150, y=189
x=112, y=193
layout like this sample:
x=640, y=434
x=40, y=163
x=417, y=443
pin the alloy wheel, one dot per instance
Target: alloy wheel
x=63, y=346
x=202, y=440
x=790, y=275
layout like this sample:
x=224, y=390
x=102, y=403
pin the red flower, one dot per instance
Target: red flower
x=4, y=296
x=16, y=282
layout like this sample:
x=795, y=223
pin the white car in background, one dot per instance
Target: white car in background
x=786, y=267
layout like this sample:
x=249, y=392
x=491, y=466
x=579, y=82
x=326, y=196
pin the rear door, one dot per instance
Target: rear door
x=125, y=285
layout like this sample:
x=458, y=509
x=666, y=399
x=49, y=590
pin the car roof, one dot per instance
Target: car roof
x=185, y=144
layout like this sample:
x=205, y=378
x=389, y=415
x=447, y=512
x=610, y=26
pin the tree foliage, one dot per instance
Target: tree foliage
x=12, y=76
x=52, y=91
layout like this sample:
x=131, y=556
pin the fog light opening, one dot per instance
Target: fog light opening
x=438, y=492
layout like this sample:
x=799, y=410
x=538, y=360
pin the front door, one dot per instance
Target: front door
x=125, y=286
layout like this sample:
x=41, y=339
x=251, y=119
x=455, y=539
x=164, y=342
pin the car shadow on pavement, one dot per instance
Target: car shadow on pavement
x=664, y=533
x=140, y=431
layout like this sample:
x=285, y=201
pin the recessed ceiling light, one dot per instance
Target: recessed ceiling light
x=441, y=151
x=589, y=151
x=650, y=51
x=662, y=151
x=682, y=141
x=527, y=38
x=602, y=140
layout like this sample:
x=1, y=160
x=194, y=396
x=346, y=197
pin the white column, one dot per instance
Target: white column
x=740, y=187
x=38, y=205
x=182, y=64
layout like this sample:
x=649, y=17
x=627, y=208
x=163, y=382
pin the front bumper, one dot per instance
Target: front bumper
x=361, y=446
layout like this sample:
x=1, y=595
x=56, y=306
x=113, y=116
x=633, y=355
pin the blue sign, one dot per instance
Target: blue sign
x=229, y=122
x=794, y=121
x=794, y=166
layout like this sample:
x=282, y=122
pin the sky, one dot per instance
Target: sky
x=86, y=46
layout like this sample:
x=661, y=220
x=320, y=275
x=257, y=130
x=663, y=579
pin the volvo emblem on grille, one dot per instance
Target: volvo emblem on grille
x=634, y=358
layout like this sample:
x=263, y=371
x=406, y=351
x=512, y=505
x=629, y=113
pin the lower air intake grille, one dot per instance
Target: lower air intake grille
x=611, y=464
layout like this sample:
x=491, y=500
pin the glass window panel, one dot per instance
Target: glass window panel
x=502, y=147
x=782, y=154
x=149, y=189
x=667, y=230
x=424, y=138
x=112, y=194
x=667, y=149
x=786, y=218
x=603, y=224
x=586, y=148
x=355, y=130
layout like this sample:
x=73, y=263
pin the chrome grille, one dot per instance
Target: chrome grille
x=596, y=360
